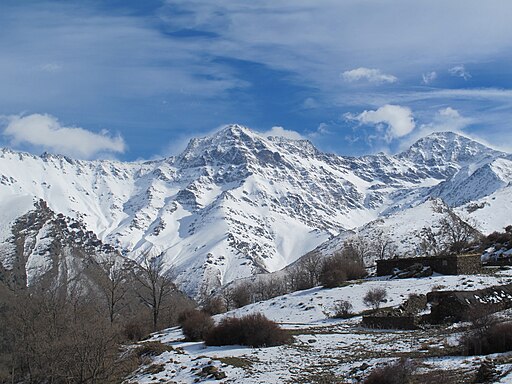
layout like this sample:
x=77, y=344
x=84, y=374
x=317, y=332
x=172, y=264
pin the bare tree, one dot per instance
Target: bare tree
x=312, y=265
x=240, y=295
x=384, y=246
x=114, y=286
x=454, y=235
x=155, y=285
x=459, y=233
x=297, y=278
x=267, y=287
x=357, y=248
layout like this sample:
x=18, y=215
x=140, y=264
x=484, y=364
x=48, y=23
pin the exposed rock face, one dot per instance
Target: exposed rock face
x=237, y=203
x=52, y=249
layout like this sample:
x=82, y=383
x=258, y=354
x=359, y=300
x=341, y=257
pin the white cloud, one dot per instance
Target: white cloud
x=394, y=121
x=445, y=120
x=46, y=131
x=368, y=74
x=460, y=71
x=429, y=77
x=310, y=103
x=282, y=132
x=51, y=67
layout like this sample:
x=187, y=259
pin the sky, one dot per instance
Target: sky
x=132, y=80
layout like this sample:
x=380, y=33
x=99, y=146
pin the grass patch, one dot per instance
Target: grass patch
x=152, y=348
x=237, y=362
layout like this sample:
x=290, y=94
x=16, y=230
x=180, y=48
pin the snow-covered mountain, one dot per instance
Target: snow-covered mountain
x=238, y=203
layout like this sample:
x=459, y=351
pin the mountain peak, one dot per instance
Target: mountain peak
x=447, y=147
x=231, y=145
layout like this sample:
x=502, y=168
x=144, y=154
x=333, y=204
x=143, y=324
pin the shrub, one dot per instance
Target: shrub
x=374, y=297
x=497, y=338
x=254, y=330
x=343, y=310
x=339, y=268
x=486, y=373
x=214, y=305
x=152, y=348
x=354, y=270
x=240, y=295
x=135, y=330
x=195, y=324
x=397, y=373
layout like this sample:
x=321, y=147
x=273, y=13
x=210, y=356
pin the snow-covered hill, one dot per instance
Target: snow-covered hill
x=238, y=203
x=326, y=349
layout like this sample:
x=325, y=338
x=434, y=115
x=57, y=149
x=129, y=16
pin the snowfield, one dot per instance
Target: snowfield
x=324, y=347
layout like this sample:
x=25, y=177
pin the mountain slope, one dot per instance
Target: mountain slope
x=237, y=203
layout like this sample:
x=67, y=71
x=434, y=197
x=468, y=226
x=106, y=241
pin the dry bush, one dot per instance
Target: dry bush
x=195, y=324
x=354, y=270
x=151, y=348
x=341, y=267
x=254, y=330
x=397, y=373
x=297, y=279
x=54, y=337
x=496, y=338
x=268, y=288
x=374, y=297
x=135, y=330
x=343, y=310
x=240, y=295
x=214, y=305
x=332, y=274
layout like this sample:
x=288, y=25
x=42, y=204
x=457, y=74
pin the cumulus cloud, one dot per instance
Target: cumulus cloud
x=394, y=121
x=368, y=74
x=429, y=77
x=445, y=120
x=282, y=132
x=460, y=71
x=46, y=131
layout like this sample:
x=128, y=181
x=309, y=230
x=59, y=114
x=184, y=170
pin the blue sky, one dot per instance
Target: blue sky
x=134, y=80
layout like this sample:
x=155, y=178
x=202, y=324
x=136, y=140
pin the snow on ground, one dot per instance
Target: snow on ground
x=491, y=213
x=323, y=346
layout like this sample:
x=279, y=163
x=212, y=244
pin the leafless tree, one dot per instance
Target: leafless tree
x=459, y=233
x=114, y=286
x=297, y=278
x=312, y=265
x=454, y=235
x=357, y=248
x=238, y=295
x=267, y=287
x=155, y=285
x=384, y=246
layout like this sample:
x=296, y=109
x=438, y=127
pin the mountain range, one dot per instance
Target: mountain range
x=237, y=203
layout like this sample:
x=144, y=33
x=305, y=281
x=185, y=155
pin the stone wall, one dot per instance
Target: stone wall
x=403, y=317
x=453, y=306
x=446, y=265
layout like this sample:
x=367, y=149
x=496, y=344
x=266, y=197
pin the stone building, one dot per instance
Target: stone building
x=446, y=265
